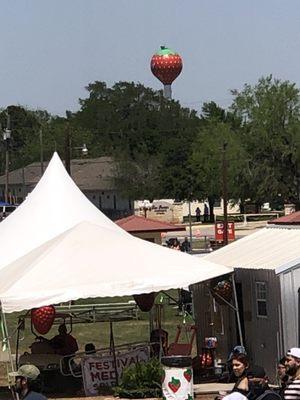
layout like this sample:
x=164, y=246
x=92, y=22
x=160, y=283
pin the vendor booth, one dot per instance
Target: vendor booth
x=77, y=253
x=267, y=326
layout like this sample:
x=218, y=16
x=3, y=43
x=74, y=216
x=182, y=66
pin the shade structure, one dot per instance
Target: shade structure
x=55, y=205
x=89, y=260
x=269, y=248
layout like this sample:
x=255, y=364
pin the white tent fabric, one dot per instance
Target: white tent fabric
x=92, y=261
x=55, y=205
x=268, y=248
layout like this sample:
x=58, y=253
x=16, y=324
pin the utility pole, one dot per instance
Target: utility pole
x=225, y=194
x=41, y=151
x=6, y=138
x=190, y=225
x=68, y=149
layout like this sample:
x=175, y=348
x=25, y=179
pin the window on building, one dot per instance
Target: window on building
x=261, y=299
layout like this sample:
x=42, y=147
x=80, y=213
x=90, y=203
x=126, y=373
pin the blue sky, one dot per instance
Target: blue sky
x=51, y=49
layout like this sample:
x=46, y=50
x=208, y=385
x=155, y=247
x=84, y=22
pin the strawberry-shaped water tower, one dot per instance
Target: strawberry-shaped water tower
x=166, y=65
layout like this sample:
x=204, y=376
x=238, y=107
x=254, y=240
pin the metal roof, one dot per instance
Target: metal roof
x=273, y=247
x=135, y=223
x=88, y=174
x=293, y=218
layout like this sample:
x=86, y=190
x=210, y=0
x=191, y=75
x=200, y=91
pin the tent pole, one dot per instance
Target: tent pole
x=7, y=341
x=17, y=344
x=113, y=349
x=6, y=338
x=237, y=311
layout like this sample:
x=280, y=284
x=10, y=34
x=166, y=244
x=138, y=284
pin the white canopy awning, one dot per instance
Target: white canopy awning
x=55, y=205
x=90, y=260
x=268, y=248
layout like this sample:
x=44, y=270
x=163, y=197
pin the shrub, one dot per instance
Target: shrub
x=141, y=380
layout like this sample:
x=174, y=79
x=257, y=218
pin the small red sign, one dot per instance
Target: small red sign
x=219, y=231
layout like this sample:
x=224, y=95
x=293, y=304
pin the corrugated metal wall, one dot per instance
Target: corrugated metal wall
x=263, y=335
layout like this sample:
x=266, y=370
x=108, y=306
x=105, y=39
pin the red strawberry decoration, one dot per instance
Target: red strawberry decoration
x=188, y=374
x=174, y=385
x=166, y=65
x=145, y=301
x=42, y=318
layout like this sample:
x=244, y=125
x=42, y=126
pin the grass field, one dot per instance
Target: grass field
x=98, y=333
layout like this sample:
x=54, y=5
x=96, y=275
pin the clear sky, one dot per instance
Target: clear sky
x=51, y=49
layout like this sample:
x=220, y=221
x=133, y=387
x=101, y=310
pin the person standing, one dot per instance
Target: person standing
x=282, y=376
x=292, y=365
x=185, y=246
x=27, y=383
x=176, y=244
x=198, y=214
x=206, y=212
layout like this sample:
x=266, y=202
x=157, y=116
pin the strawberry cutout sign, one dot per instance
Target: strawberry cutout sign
x=174, y=385
x=42, y=318
x=188, y=374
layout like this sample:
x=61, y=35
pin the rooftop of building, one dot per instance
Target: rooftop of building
x=290, y=219
x=88, y=174
x=135, y=223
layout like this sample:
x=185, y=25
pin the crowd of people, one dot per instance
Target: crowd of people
x=175, y=244
x=251, y=382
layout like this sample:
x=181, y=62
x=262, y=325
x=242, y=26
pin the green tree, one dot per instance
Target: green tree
x=24, y=143
x=143, y=131
x=270, y=112
x=207, y=161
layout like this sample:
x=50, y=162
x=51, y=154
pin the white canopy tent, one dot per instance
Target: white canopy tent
x=57, y=246
x=92, y=261
x=55, y=205
x=50, y=255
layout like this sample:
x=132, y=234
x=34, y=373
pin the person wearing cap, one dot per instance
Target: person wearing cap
x=292, y=365
x=282, y=376
x=27, y=382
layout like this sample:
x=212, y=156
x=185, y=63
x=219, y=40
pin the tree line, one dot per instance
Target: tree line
x=164, y=150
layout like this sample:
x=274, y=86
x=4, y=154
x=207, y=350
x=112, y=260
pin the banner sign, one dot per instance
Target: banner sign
x=219, y=231
x=99, y=371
